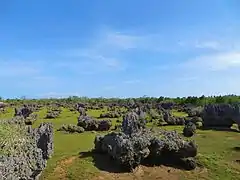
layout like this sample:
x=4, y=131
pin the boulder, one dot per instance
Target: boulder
x=221, y=115
x=189, y=129
x=71, y=128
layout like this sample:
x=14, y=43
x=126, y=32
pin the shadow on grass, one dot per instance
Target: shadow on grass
x=237, y=148
x=219, y=129
x=102, y=161
x=172, y=162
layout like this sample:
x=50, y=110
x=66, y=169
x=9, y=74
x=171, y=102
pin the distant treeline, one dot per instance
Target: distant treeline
x=194, y=100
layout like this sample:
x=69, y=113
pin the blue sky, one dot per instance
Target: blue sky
x=119, y=48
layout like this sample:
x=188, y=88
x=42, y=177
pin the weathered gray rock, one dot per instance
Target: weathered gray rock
x=3, y=105
x=104, y=125
x=189, y=129
x=88, y=123
x=131, y=124
x=170, y=119
x=127, y=152
x=170, y=144
x=82, y=111
x=51, y=114
x=113, y=114
x=24, y=156
x=71, y=128
x=44, y=138
x=135, y=144
x=30, y=119
x=221, y=115
x=24, y=111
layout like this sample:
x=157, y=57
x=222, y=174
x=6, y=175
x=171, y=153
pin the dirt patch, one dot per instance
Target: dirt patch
x=142, y=173
x=60, y=171
x=154, y=173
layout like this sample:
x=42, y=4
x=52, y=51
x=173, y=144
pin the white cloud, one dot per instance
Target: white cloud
x=215, y=62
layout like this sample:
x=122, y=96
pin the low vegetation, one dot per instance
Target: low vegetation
x=202, y=139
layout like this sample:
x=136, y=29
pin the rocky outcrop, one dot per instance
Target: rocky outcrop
x=221, y=115
x=25, y=151
x=90, y=124
x=3, y=105
x=24, y=111
x=136, y=144
x=71, y=128
x=189, y=129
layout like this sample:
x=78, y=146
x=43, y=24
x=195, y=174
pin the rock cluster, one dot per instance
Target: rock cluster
x=90, y=124
x=194, y=111
x=31, y=119
x=2, y=105
x=168, y=118
x=53, y=113
x=24, y=111
x=71, y=128
x=25, y=153
x=25, y=114
x=135, y=144
x=110, y=115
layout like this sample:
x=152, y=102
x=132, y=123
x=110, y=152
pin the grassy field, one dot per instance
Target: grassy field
x=217, y=155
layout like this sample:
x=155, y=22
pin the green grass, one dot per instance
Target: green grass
x=9, y=112
x=216, y=152
x=179, y=114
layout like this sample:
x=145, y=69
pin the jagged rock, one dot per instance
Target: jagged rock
x=82, y=111
x=189, y=163
x=195, y=119
x=104, y=125
x=131, y=123
x=172, y=120
x=21, y=157
x=88, y=123
x=135, y=144
x=110, y=115
x=70, y=128
x=23, y=111
x=167, y=105
x=44, y=138
x=78, y=105
x=194, y=111
x=189, y=129
x=31, y=119
x=125, y=151
x=52, y=114
x=171, y=144
x=3, y=105
x=221, y=115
